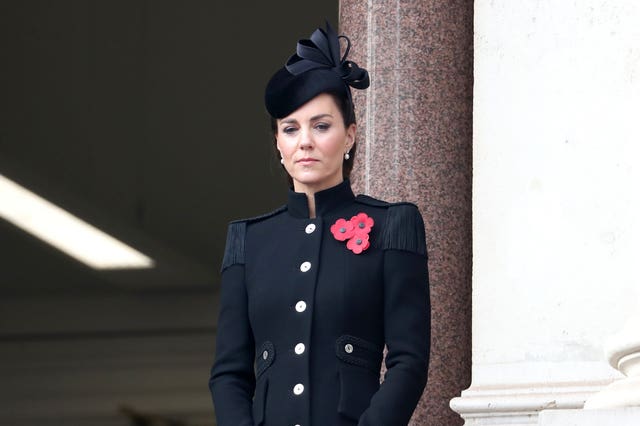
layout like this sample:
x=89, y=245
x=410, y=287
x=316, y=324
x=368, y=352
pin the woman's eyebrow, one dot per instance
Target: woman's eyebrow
x=314, y=118
x=319, y=116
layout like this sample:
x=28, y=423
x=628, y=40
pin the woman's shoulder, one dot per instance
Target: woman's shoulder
x=375, y=202
x=259, y=218
x=234, y=246
x=403, y=227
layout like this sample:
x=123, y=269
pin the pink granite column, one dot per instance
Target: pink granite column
x=414, y=133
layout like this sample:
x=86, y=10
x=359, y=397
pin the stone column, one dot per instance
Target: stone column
x=556, y=204
x=414, y=135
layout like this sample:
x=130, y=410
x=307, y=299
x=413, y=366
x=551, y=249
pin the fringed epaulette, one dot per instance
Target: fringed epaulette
x=234, y=248
x=404, y=229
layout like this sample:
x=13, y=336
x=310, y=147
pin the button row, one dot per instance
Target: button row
x=301, y=306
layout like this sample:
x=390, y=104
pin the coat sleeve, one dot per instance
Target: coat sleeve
x=232, y=381
x=407, y=319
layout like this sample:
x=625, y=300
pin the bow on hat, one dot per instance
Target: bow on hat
x=322, y=50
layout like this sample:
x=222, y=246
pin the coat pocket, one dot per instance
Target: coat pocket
x=259, y=401
x=359, y=372
x=265, y=356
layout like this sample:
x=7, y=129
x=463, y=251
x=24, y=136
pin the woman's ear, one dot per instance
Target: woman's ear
x=351, y=136
x=277, y=141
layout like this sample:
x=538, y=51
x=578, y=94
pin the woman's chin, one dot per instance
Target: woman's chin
x=314, y=181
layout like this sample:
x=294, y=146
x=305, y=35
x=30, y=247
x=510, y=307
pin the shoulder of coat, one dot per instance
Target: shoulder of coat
x=403, y=229
x=234, y=247
x=261, y=217
x=371, y=201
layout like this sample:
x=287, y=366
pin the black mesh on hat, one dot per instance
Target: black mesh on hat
x=315, y=68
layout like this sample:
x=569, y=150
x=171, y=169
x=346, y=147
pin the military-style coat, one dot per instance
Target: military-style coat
x=304, y=319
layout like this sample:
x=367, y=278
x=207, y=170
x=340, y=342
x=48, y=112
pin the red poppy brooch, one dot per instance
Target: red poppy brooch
x=355, y=231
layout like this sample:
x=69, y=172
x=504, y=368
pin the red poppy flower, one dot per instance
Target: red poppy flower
x=358, y=243
x=356, y=230
x=362, y=223
x=342, y=230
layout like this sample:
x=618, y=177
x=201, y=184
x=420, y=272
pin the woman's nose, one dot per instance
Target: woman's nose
x=306, y=139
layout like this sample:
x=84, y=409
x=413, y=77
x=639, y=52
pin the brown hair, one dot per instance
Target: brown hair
x=345, y=105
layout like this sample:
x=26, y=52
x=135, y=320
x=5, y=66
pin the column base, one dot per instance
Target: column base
x=617, y=417
x=621, y=393
x=623, y=352
x=519, y=405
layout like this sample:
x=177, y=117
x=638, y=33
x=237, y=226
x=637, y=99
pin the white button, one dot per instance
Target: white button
x=301, y=306
x=348, y=348
x=298, y=389
x=299, y=348
x=305, y=266
x=265, y=354
x=310, y=228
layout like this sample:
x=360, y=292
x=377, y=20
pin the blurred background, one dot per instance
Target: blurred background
x=144, y=120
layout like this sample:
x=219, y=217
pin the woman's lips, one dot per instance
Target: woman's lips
x=306, y=161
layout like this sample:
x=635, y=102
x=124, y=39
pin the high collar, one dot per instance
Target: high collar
x=326, y=200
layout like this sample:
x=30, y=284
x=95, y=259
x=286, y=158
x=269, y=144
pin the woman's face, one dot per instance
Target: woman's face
x=312, y=141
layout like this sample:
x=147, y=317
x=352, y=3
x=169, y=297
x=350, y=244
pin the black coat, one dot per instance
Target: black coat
x=304, y=320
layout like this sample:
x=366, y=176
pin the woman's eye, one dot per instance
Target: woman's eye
x=322, y=127
x=288, y=130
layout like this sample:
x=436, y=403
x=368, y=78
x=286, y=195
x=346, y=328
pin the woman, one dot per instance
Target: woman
x=312, y=292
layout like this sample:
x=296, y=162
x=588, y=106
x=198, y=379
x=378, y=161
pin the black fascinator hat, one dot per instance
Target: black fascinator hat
x=315, y=68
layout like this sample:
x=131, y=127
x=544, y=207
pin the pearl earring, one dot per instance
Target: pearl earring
x=282, y=161
x=346, y=155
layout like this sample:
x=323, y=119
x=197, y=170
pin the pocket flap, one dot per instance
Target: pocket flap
x=265, y=357
x=357, y=351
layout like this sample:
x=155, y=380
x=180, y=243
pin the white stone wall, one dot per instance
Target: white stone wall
x=556, y=205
